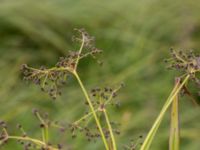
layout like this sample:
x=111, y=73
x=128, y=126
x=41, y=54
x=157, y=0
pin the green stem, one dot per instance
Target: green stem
x=92, y=109
x=85, y=116
x=80, y=51
x=37, y=142
x=45, y=132
x=43, y=135
x=174, y=139
x=110, y=130
x=156, y=124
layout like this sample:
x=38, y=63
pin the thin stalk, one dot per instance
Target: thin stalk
x=84, y=117
x=156, y=124
x=174, y=139
x=45, y=132
x=110, y=130
x=92, y=110
x=80, y=51
x=43, y=135
x=37, y=142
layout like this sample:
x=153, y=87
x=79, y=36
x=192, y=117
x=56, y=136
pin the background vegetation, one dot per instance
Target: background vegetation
x=135, y=37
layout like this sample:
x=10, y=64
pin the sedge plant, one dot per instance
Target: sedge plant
x=51, y=80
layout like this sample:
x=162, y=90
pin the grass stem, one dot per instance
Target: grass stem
x=110, y=130
x=174, y=138
x=92, y=110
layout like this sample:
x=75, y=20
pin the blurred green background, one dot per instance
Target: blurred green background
x=135, y=36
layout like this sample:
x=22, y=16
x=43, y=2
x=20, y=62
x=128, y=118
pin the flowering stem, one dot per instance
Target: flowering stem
x=110, y=130
x=92, y=109
x=45, y=132
x=37, y=142
x=80, y=50
x=85, y=116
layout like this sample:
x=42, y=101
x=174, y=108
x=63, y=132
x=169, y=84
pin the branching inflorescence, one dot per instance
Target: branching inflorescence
x=188, y=64
x=28, y=142
x=51, y=80
x=96, y=122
